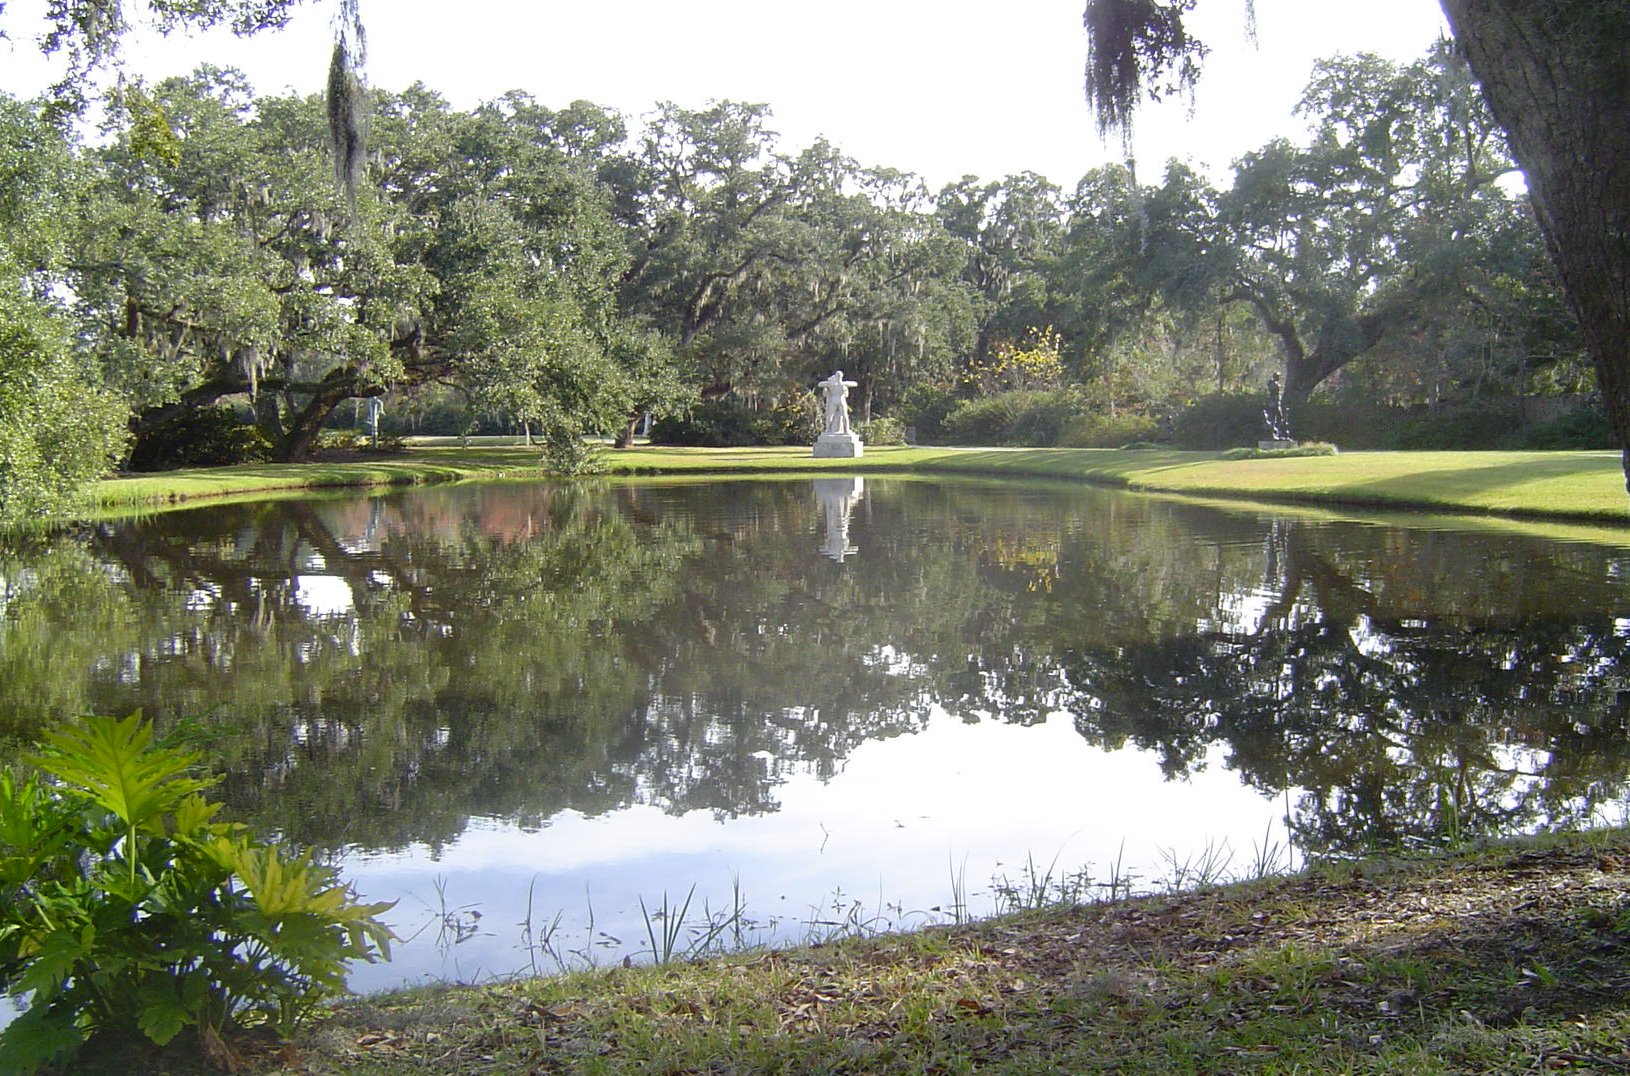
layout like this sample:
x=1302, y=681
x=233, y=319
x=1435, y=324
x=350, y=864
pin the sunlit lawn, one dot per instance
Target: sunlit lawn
x=1568, y=485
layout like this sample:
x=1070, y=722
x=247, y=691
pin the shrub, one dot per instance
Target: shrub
x=1308, y=448
x=1025, y=418
x=728, y=424
x=352, y=441
x=205, y=437
x=126, y=908
x=59, y=430
x=1350, y=423
x=1472, y=426
x=883, y=430
x=1586, y=427
x=925, y=408
x=1222, y=421
x=1108, y=431
x=565, y=452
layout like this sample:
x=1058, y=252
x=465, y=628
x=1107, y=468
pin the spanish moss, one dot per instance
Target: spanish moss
x=1136, y=47
x=347, y=120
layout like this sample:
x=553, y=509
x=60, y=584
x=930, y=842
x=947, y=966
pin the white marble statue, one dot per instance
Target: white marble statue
x=835, y=391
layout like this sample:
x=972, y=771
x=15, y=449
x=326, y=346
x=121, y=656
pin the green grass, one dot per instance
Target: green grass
x=1508, y=959
x=1575, y=486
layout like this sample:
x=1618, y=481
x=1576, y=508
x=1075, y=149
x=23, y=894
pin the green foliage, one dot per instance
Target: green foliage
x=58, y=429
x=926, y=407
x=208, y=437
x=1222, y=421
x=564, y=452
x=1023, y=418
x=1348, y=420
x=126, y=908
x=1498, y=424
x=1481, y=426
x=729, y=424
x=1583, y=428
x=882, y=430
x=1309, y=448
x=1108, y=431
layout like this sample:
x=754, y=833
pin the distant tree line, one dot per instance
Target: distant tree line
x=195, y=287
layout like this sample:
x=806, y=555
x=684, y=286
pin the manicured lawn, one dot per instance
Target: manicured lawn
x=1584, y=486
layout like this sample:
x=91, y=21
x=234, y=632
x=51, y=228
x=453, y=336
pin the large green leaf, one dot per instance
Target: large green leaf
x=291, y=889
x=52, y=958
x=115, y=763
x=31, y=830
x=167, y=1005
x=37, y=1038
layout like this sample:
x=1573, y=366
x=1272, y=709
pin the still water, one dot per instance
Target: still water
x=827, y=705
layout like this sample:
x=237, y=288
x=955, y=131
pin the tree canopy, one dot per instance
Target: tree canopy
x=211, y=293
x=1556, y=77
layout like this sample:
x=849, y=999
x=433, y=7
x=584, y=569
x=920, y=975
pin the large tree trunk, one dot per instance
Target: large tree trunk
x=625, y=436
x=300, y=435
x=1557, y=77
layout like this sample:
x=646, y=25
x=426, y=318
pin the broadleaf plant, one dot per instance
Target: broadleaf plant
x=126, y=908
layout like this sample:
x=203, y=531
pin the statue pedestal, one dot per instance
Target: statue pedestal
x=839, y=446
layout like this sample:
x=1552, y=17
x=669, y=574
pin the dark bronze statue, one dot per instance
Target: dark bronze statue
x=1274, y=413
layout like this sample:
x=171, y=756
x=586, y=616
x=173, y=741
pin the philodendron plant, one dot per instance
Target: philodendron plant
x=127, y=908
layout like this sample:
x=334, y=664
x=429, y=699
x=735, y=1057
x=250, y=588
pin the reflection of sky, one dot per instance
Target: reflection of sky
x=891, y=829
x=323, y=595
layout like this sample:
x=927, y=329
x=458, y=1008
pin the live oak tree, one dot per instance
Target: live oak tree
x=483, y=257
x=767, y=270
x=59, y=428
x=1133, y=259
x=873, y=285
x=1556, y=76
x=1378, y=228
x=1011, y=230
x=231, y=267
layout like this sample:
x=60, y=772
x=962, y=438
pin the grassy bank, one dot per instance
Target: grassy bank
x=1583, y=486
x=1511, y=959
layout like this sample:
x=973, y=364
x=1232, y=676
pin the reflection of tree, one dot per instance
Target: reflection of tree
x=375, y=671
x=1393, y=724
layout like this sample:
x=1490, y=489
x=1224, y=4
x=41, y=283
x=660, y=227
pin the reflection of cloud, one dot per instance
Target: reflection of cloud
x=903, y=816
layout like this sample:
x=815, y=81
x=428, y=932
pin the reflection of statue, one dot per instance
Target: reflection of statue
x=838, y=497
x=1274, y=413
x=835, y=391
x=837, y=439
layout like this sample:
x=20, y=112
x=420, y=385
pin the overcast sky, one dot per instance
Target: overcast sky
x=941, y=89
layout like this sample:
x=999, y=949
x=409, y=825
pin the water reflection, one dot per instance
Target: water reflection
x=838, y=497
x=412, y=673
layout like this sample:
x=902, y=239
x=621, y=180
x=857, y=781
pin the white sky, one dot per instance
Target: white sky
x=941, y=89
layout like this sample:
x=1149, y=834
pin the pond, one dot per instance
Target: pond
x=537, y=713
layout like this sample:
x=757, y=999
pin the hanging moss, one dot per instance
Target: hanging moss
x=347, y=120
x=1136, y=47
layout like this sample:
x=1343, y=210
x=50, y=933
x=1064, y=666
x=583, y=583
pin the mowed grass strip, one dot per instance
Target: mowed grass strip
x=1573, y=485
x=1557, y=485
x=1581, y=485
